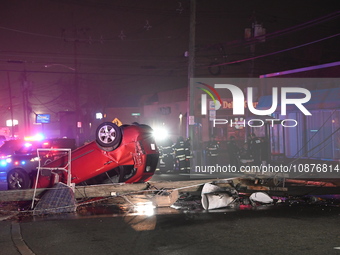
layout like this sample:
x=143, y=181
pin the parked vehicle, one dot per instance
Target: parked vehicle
x=19, y=160
x=119, y=154
x=9, y=147
x=2, y=139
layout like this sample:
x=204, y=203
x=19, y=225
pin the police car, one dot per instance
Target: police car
x=19, y=160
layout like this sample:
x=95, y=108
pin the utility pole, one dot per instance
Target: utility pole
x=191, y=74
x=10, y=103
x=191, y=66
x=26, y=106
x=256, y=34
x=75, y=92
x=256, y=31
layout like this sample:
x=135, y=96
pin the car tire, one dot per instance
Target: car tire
x=108, y=135
x=18, y=179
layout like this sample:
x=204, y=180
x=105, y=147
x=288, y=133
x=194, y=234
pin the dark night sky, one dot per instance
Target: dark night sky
x=124, y=49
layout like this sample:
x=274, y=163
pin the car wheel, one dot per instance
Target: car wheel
x=18, y=179
x=108, y=134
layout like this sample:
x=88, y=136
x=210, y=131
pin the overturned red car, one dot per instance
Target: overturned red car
x=119, y=154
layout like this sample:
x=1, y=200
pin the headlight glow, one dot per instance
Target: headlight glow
x=160, y=133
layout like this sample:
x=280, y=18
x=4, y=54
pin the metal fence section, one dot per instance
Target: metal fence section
x=66, y=168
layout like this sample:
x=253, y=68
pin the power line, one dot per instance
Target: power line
x=114, y=58
x=243, y=42
x=92, y=73
x=273, y=53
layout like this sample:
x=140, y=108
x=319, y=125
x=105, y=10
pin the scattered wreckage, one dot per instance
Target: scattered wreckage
x=125, y=158
x=195, y=196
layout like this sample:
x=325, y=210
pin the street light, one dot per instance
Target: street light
x=99, y=115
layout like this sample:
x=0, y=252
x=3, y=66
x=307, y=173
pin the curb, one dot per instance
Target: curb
x=18, y=241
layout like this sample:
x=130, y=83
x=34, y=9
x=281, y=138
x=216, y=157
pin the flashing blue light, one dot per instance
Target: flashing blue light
x=3, y=163
x=23, y=162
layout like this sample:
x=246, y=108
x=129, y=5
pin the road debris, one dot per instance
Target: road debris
x=168, y=197
x=60, y=199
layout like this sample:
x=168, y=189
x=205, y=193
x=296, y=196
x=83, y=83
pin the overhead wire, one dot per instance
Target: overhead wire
x=236, y=44
x=276, y=52
x=243, y=42
x=276, y=33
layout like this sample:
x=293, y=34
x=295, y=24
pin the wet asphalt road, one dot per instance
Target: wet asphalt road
x=280, y=230
x=173, y=177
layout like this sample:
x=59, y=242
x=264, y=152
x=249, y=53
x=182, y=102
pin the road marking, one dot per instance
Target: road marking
x=18, y=241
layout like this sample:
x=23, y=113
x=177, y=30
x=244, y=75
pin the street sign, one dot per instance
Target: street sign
x=117, y=122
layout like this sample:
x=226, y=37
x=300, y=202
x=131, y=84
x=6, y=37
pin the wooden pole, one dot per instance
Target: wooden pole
x=191, y=63
x=10, y=103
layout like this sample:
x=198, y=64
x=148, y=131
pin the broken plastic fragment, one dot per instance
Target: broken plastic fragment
x=214, y=197
x=261, y=197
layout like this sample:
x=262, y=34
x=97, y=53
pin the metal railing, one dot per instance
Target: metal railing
x=66, y=168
